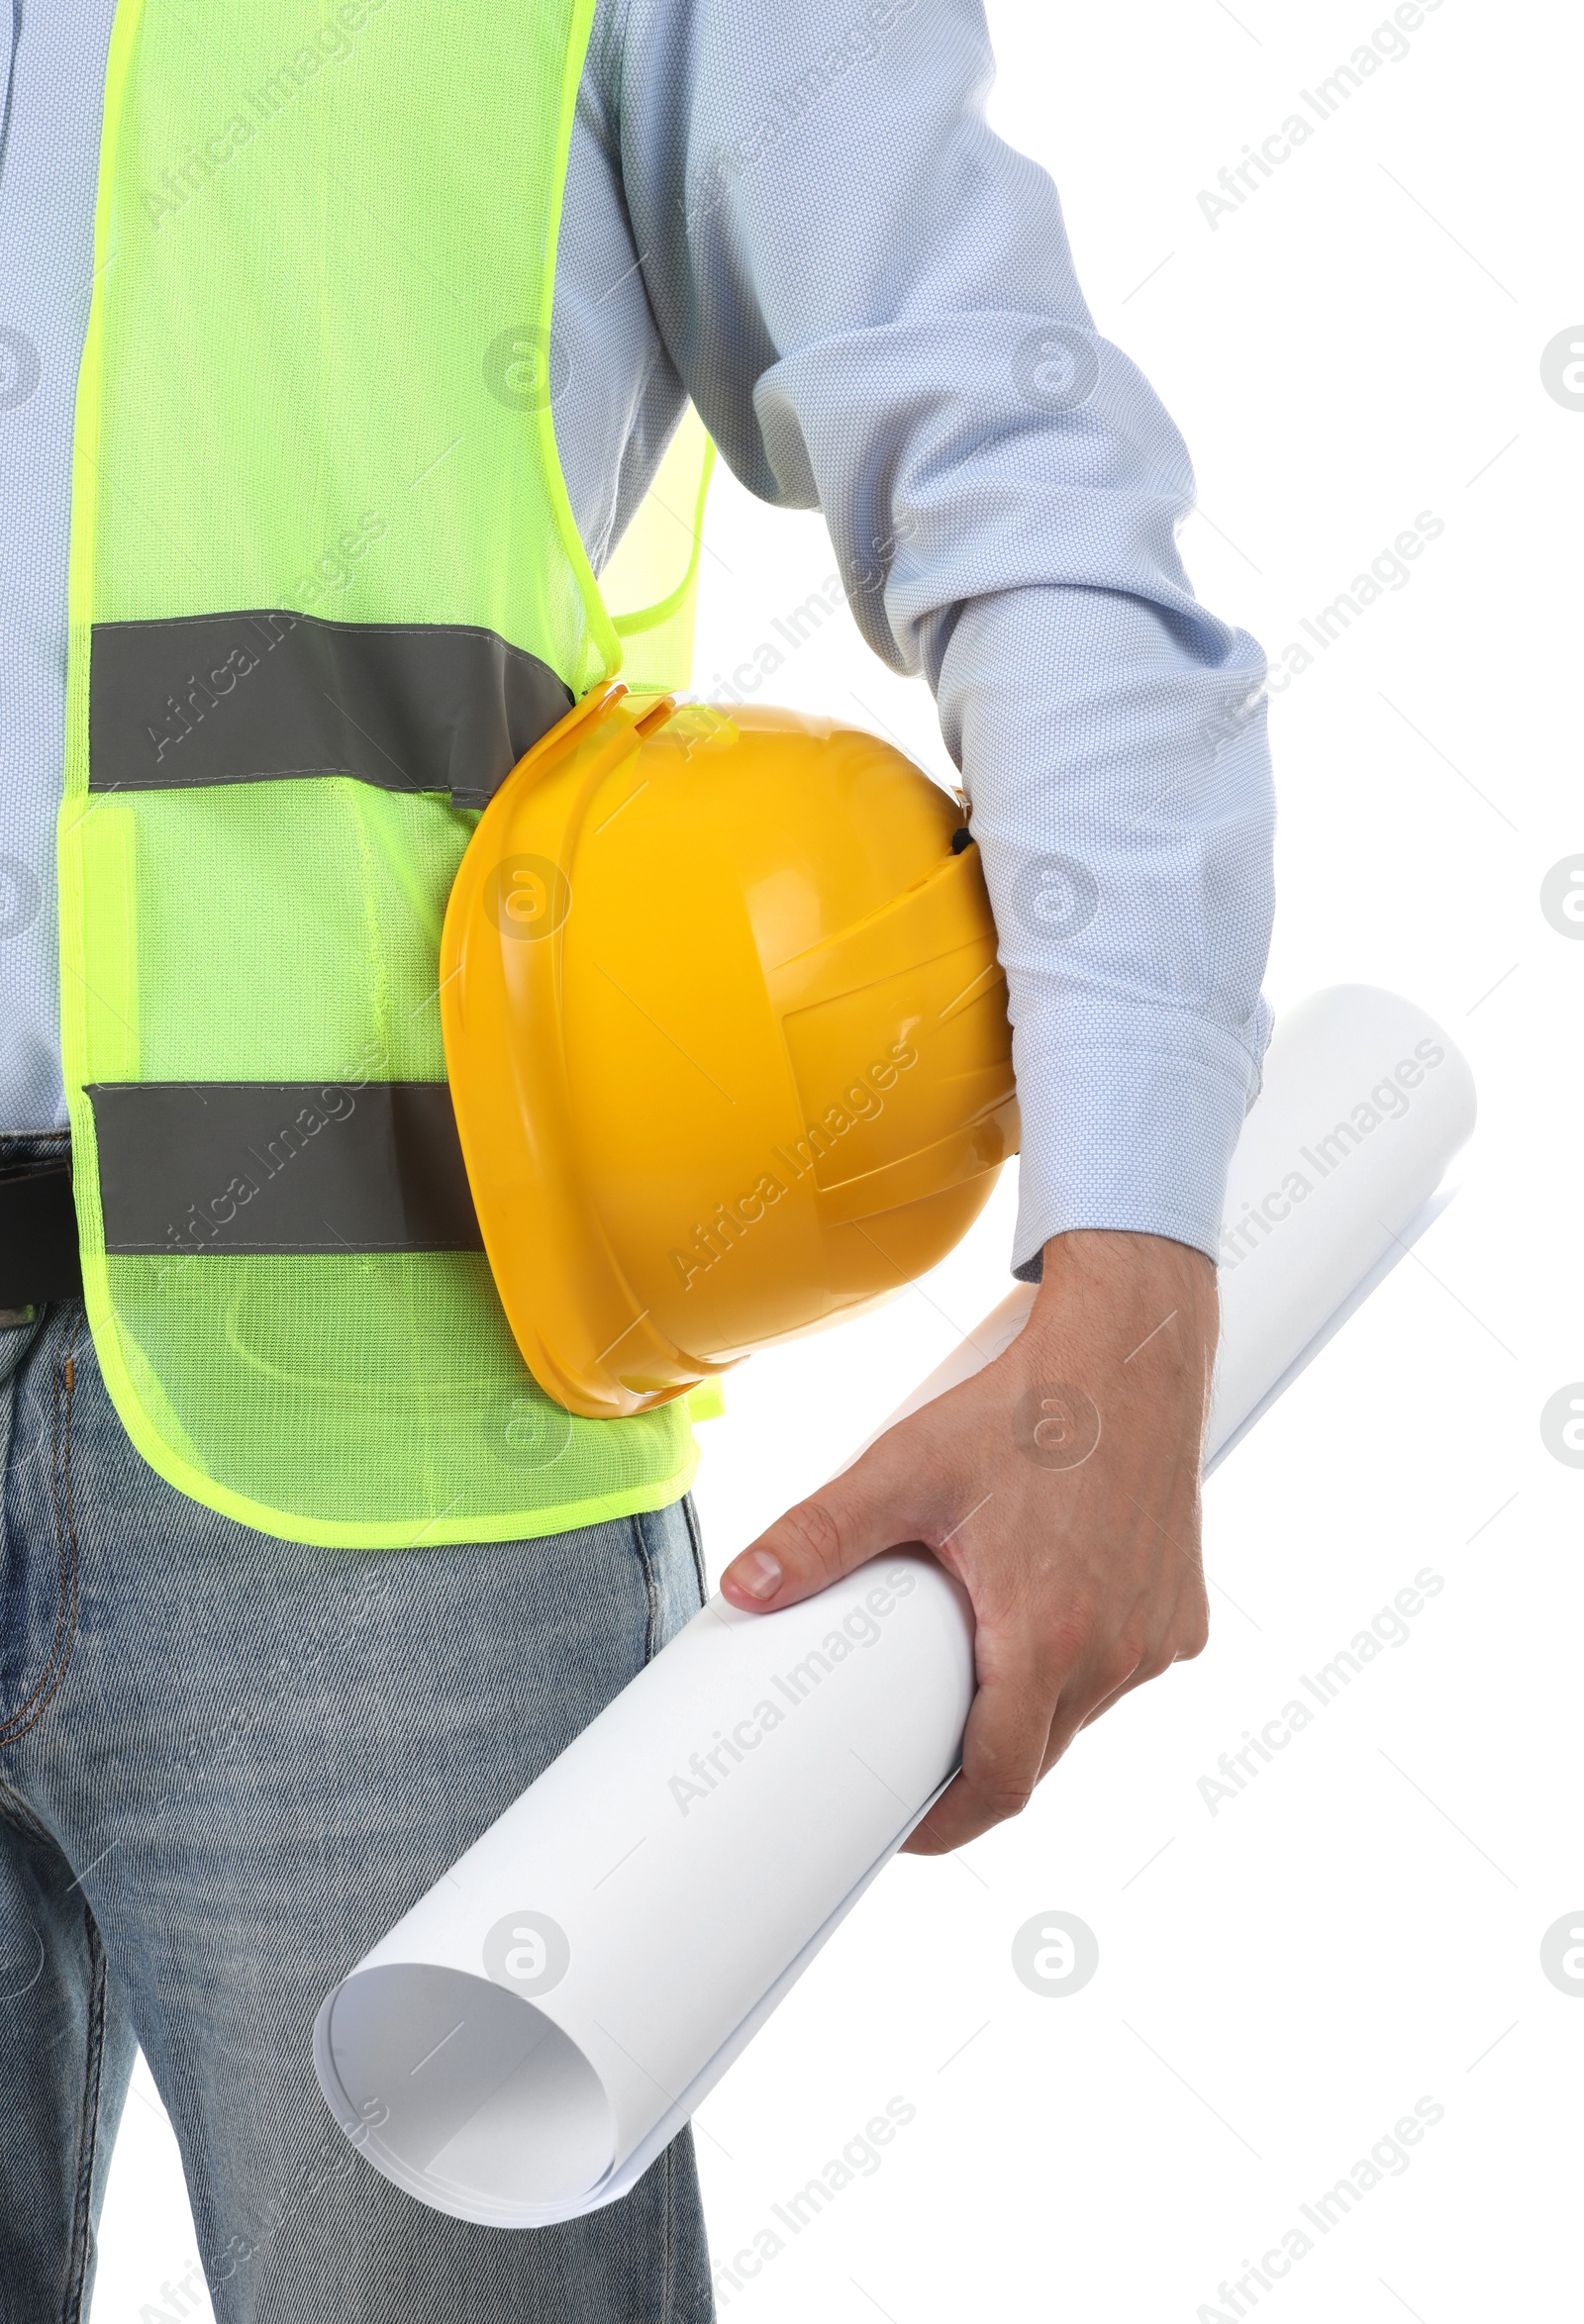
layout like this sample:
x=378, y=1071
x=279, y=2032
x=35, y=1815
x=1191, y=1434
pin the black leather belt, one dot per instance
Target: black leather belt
x=39, y=1258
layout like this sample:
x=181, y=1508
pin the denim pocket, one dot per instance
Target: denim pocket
x=39, y=1601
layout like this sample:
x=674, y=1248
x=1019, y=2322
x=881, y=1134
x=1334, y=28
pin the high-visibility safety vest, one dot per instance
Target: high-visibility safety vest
x=326, y=588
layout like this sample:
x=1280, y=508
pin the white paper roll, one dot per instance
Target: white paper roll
x=1364, y=1104
x=531, y=2034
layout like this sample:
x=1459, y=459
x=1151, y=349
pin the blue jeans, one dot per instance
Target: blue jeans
x=226, y=1765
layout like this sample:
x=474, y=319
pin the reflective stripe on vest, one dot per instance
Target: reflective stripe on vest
x=325, y=589
x=228, y=698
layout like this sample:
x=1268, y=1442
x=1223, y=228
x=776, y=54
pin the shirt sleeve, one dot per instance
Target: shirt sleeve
x=870, y=298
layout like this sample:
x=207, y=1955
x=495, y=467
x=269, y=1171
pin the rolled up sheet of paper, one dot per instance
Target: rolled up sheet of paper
x=539, y=2025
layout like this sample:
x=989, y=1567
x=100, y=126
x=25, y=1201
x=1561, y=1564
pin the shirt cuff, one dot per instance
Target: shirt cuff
x=1128, y=1123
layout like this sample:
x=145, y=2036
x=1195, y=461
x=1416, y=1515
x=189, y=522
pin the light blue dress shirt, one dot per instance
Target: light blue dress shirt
x=798, y=217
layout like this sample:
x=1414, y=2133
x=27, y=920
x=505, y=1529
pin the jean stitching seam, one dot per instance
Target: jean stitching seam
x=696, y=1538
x=14, y=1809
x=668, y=2239
x=71, y=2311
x=651, y=1586
x=38, y=1700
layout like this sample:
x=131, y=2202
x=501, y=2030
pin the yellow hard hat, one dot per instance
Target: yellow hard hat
x=727, y=1038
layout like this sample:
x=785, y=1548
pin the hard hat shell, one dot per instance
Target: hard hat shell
x=727, y=1038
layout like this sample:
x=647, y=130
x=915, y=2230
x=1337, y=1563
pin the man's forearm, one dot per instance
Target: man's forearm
x=1127, y=843
x=1003, y=492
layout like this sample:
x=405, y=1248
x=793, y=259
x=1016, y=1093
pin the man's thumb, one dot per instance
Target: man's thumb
x=859, y=1515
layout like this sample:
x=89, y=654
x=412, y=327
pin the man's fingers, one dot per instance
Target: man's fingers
x=968, y=1808
x=869, y=1509
x=1005, y=1741
x=1153, y=1666
x=1024, y=1718
x=951, y=1822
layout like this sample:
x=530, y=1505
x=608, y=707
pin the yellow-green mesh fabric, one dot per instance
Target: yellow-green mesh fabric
x=334, y=327
x=301, y=336
x=650, y=584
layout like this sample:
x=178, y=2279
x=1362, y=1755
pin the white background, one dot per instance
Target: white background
x=1281, y=1981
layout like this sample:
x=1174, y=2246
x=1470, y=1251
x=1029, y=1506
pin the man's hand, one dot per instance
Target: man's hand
x=1060, y=1484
